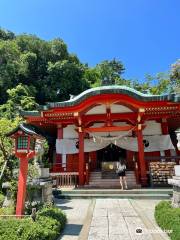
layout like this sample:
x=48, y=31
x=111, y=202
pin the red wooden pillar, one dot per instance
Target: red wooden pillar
x=59, y=156
x=87, y=173
x=165, y=130
x=81, y=158
x=141, y=156
x=136, y=169
x=23, y=170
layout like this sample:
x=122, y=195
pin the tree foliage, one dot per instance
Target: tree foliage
x=175, y=75
x=19, y=98
x=52, y=73
x=6, y=35
x=7, y=160
x=44, y=65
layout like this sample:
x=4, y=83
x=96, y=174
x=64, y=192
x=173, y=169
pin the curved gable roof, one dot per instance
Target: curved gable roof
x=110, y=90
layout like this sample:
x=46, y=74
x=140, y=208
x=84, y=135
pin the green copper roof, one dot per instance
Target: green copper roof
x=31, y=113
x=112, y=89
x=27, y=128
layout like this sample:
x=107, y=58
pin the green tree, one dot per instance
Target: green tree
x=111, y=71
x=28, y=60
x=92, y=76
x=156, y=85
x=7, y=161
x=107, y=72
x=65, y=78
x=175, y=75
x=6, y=35
x=19, y=98
x=9, y=67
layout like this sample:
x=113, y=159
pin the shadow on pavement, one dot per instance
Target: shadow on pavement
x=71, y=230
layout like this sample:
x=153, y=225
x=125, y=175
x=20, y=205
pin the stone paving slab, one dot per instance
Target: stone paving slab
x=76, y=211
x=116, y=219
x=110, y=219
x=133, y=223
x=118, y=229
x=98, y=230
x=98, y=237
x=99, y=222
x=100, y=212
x=119, y=237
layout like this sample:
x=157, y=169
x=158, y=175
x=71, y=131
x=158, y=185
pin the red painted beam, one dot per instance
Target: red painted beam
x=113, y=116
x=109, y=129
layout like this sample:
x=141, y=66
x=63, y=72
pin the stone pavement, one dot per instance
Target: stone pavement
x=110, y=219
x=116, y=219
x=76, y=211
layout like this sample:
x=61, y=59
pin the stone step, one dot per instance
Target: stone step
x=110, y=179
x=111, y=182
x=119, y=196
x=97, y=173
x=113, y=186
x=114, y=191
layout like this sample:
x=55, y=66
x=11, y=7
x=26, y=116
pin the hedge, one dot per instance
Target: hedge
x=48, y=225
x=168, y=218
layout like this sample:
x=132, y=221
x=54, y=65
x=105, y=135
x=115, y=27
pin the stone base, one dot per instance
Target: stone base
x=47, y=192
x=176, y=197
x=44, y=190
x=8, y=201
x=176, y=191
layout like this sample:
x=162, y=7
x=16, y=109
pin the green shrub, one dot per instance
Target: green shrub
x=1, y=199
x=48, y=224
x=54, y=213
x=168, y=218
x=30, y=205
x=7, y=210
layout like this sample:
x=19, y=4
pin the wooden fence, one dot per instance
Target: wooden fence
x=66, y=179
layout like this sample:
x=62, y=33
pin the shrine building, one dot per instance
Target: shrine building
x=89, y=133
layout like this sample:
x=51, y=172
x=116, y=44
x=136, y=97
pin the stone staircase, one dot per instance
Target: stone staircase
x=107, y=186
x=111, y=180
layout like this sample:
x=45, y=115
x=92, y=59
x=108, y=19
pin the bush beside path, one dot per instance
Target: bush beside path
x=168, y=218
x=48, y=225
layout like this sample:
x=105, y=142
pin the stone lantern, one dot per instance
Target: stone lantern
x=178, y=137
x=175, y=181
x=25, y=140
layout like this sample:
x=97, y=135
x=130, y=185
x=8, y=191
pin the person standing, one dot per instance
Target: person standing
x=121, y=171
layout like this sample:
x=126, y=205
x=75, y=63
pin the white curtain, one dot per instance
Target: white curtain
x=151, y=144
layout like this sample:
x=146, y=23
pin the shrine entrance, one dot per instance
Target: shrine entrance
x=107, y=159
x=108, y=155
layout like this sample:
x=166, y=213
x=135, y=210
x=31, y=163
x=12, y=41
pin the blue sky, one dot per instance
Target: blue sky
x=143, y=34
